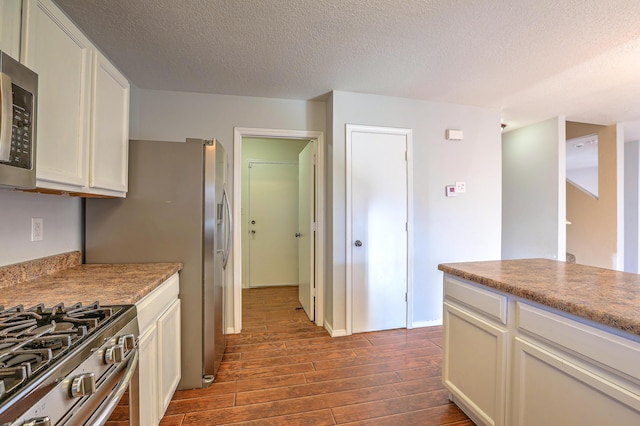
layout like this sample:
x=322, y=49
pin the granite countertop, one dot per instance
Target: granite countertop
x=608, y=297
x=86, y=283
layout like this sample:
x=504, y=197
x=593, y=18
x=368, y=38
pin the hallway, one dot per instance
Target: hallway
x=284, y=370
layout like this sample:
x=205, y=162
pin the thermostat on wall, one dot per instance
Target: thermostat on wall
x=451, y=190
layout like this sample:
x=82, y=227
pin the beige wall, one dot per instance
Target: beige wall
x=593, y=234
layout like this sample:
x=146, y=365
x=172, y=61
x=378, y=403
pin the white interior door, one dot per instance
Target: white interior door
x=273, y=223
x=378, y=240
x=306, y=233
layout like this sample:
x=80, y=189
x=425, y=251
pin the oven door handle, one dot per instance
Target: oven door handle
x=101, y=416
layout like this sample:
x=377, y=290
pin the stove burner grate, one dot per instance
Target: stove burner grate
x=32, y=339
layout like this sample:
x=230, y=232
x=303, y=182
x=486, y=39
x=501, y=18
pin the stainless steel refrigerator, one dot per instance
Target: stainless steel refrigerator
x=176, y=210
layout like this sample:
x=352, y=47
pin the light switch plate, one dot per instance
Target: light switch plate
x=461, y=187
x=37, y=229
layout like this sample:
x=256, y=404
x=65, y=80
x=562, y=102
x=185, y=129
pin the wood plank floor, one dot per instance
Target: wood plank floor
x=284, y=370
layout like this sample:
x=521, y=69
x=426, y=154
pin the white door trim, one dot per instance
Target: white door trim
x=408, y=134
x=318, y=138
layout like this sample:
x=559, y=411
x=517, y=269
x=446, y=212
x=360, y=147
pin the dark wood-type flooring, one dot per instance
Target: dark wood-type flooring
x=284, y=370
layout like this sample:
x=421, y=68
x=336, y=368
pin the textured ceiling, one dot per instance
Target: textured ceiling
x=531, y=59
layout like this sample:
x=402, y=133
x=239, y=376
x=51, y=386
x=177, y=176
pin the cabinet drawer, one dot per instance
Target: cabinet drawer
x=491, y=304
x=607, y=349
x=155, y=303
x=549, y=389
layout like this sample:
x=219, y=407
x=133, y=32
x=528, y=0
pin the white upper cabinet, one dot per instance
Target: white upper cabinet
x=110, y=128
x=10, y=24
x=83, y=106
x=61, y=55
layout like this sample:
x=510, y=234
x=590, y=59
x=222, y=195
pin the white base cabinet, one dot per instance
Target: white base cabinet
x=569, y=372
x=509, y=361
x=148, y=373
x=475, y=350
x=159, y=347
x=549, y=389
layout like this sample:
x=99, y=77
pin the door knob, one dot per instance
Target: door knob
x=298, y=235
x=358, y=243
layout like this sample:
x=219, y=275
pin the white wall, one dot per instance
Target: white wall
x=533, y=191
x=631, y=205
x=61, y=218
x=464, y=228
x=585, y=179
x=174, y=116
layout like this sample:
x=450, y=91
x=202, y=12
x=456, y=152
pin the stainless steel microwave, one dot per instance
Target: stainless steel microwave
x=18, y=105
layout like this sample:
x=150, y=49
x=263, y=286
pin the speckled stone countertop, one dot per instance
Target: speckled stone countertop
x=611, y=298
x=106, y=283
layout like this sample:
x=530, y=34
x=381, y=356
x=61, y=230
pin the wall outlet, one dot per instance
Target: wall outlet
x=461, y=187
x=37, y=229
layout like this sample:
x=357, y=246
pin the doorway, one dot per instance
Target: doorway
x=379, y=223
x=242, y=135
x=271, y=220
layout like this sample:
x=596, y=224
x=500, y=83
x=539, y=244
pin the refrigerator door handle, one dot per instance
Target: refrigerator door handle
x=229, y=228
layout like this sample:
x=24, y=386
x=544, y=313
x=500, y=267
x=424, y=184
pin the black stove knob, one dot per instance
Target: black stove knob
x=114, y=354
x=40, y=421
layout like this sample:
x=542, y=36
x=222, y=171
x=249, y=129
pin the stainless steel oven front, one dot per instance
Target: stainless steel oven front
x=44, y=382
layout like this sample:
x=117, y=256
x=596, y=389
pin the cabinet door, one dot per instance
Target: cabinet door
x=10, y=25
x=549, y=389
x=110, y=128
x=54, y=48
x=148, y=372
x=474, y=364
x=168, y=355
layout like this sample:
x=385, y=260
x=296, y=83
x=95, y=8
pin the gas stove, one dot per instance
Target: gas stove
x=59, y=364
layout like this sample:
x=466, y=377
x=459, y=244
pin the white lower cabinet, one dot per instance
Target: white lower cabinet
x=159, y=347
x=534, y=365
x=168, y=355
x=571, y=373
x=474, y=353
x=148, y=371
x=549, y=389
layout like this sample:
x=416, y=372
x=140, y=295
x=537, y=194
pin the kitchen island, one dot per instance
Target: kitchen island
x=536, y=341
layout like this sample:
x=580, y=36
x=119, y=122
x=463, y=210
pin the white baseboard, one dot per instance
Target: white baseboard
x=432, y=323
x=334, y=333
x=231, y=330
